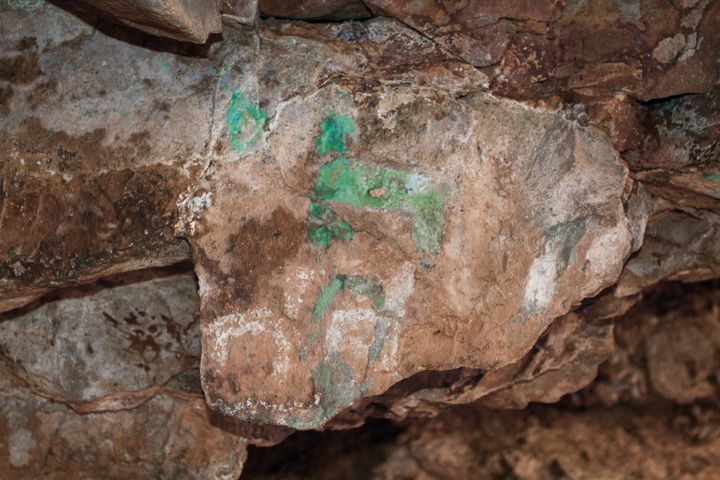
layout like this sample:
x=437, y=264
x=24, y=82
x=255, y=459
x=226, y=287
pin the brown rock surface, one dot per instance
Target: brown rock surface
x=667, y=347
x=337, y=277
x=314, y=9
x=177, y=19
x=651, y=414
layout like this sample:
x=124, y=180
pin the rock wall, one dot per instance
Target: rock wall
x=222, y=222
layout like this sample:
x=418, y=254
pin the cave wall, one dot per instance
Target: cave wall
x=234, y=221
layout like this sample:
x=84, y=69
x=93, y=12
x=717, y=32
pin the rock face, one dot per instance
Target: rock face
x=651, y=413
x=428, y=205
x=107, y=381
x=177, y=19
x=399, y=209
x=312, y=9
x=338, y=280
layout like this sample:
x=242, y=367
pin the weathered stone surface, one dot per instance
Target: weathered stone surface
x=666, y=348
x=411, y=221
x=166, y=437
x=244, y=12
x=477, y=31
x=177, y=19
x=106, y=381
x=376, y=231
x=547, y=444
x=91, y=167
x=564, y=360
x=88, y=349
x=400, y=244
x=677, y=246
x=540, y=443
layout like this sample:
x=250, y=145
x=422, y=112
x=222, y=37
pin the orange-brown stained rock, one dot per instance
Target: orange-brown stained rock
x=531, y=222
x=91, y=162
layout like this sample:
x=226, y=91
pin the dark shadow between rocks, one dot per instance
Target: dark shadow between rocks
x=349, y=454
x=110, y=27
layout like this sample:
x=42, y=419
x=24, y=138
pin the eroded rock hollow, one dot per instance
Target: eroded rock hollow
x=236, y=223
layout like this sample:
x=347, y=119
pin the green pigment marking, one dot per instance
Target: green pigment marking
x=325, y=227
x=326, y=297
x=713, y=177
x=566, y=236
x=370, y=288
x=381, y=188
x=367, y=287
x=333, y=130
x=245, y=122
x=348, y=181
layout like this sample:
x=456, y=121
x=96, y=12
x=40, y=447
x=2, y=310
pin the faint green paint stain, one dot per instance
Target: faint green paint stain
x=381, y=188
x=711, y=177
x=245, y=121
x=325, y=227
x=566, y=237
x=333, y=130
x=312, y=339
x=26, y=5
x=367, y=287
x=370, y=288
x=326, y=297
x=333, y=380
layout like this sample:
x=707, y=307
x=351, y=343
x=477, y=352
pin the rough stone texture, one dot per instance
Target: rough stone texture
x=166, y=437
x=664, y=355
x=667, y=347
x=87, y=349
x=244, y=12
x=564, y=360
x=106, y=381
x=380, y=229
x=90, y=170
x=677, y=246
x=484, y=233
x=177, y=19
